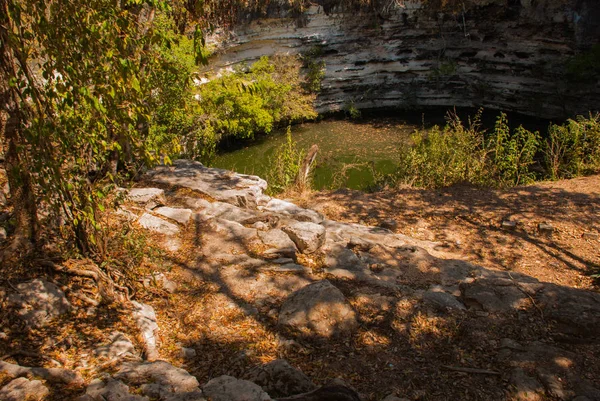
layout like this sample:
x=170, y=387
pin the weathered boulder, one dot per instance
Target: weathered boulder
x=279, y=379
x=145, y=320
x=227, y=388
x=223, y=185
x=179, y=215
x=150, y=198
x=319, y=309
x=442, y=301
x=293, y=211
x=52, y=375
x=340, y=257
x=23, y=389
x=109, y=390
x=307, y=236
x=118, y=347
x=171, y=378
x=37, y=302
x=156, y=224
x=279, y=241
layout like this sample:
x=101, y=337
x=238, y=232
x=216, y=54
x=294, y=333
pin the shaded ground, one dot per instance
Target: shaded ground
x=226, y=309
x=469, y=220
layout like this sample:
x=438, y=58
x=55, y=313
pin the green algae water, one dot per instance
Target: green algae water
x=351, y=154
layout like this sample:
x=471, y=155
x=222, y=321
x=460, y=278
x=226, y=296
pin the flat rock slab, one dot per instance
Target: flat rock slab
x=340, y=257
x=179, y=215
x=226, y=211
x=318, y=310
x=148, y=197
x=223, y=185
x=279, y=379
x=145, y=320
x=227, y=388
x=292, y=211
x=308, y=237
x=158, y=225
x=23, y=389
x=168, y=376
x=37, y=302
x=442, y=301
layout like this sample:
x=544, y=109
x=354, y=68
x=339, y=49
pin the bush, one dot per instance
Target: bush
x=256, y=100
x=512, y=153
x=459, y=153
x=444, y=156
x=284, y=166
x=573, y=149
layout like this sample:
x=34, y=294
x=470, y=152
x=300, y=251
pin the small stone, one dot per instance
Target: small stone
x=390, y=224
x=119, y=346
x=3, y=335
x=509, y=225
x=545, y=228
x=442, y=300
x=3, y=234
x=283, y=261
x=590, y=236
x=188, y=353
x=261, y=226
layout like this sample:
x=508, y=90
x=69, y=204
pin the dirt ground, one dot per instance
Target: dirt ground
x=470, y=220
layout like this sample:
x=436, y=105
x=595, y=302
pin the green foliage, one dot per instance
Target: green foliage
x=247, y=102
x=512, y=153
x=84, y=79
x=573, y=149
x=285, y=165
x=444, y=156
x=315, y=69
x=459, y=153
x=352, y=111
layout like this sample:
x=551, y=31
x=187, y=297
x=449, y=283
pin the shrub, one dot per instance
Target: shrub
x=573, y=149
x=512, y=153
x=285, y=165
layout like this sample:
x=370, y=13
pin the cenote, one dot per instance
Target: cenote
x=352, y=153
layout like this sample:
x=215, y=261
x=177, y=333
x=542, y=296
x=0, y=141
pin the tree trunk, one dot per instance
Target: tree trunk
x=22, y=197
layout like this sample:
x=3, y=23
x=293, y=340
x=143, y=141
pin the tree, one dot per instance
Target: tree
x=76, y=89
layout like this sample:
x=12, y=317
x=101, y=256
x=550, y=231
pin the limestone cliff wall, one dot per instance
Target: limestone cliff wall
x=509, y=57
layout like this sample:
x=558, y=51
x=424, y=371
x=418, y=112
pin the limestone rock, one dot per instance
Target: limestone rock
x=394, y=398
x=3, y=234
x=238, y=189
x=38, y=301
x=279, y=379
x=442, y=300
x=162, y=281
x=156, y=224
x=170, y=377
x=179, y=215
x=23, y=389
x=278, y=240
x=119, y=346
x=52, y=375
x=145, y=319
x=338, y=256
x=308, y=237
x=109, y=390
x=148, y=197
x=226, y=211
x=293, y=211
x=227, y=388
x=319, y=309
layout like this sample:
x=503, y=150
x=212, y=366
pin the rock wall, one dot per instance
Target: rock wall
x=509, y=57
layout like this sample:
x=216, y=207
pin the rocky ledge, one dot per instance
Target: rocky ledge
x=302, y=273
